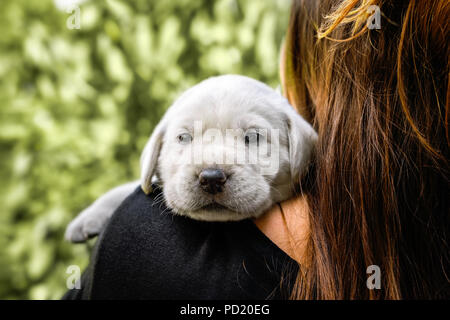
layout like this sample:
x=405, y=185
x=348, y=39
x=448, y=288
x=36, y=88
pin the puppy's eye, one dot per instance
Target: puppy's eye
x=184, y=138
x=251, y=137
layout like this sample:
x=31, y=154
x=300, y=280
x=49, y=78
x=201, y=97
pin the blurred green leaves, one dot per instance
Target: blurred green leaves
x=77, y=106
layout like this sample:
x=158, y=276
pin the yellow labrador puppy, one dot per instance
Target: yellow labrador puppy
x=227, y=149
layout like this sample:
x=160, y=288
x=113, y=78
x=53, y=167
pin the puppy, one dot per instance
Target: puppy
x=227, y=149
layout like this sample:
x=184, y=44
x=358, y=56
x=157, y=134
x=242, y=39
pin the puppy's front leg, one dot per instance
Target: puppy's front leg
x=91, y=220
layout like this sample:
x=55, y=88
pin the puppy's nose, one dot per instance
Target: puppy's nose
x=212, y=180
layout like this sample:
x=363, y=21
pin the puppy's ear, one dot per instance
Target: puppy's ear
x=150, y=155
x=302, y=142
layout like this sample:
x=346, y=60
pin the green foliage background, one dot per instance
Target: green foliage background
x=76, y=107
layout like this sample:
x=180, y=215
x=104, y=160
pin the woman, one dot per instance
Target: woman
x=380, y=102
x=378, y=193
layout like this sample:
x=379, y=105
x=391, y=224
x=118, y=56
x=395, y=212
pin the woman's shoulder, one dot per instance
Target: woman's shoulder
x=148, y=252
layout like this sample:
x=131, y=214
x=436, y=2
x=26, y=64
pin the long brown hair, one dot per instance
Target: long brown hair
x=379, y=99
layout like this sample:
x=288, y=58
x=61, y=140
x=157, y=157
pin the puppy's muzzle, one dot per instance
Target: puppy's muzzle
x=212, y=180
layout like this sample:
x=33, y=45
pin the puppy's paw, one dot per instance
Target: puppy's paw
x=83, y=228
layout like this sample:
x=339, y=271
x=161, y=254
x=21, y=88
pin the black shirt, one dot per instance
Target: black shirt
x=147, y=252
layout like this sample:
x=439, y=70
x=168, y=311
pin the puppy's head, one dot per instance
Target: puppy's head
x=227, y=149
